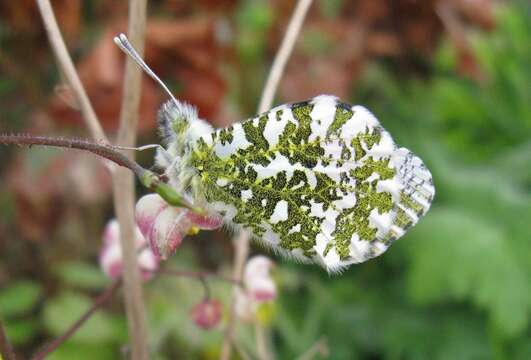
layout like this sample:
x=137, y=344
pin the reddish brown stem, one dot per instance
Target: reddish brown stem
x=104, y=150
x=5, y=348
x=99, y=302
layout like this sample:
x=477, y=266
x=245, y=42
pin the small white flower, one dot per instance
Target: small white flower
x=110, y=257
x=257, y=279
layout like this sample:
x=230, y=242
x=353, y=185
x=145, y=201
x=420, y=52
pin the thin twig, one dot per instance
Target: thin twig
x=283, y=54
x=101, y=149
x=124, y=190
x=275, y=74
x=206, y=288
x=99, y=302
x=241, y=244
x=67, y=67
x=6, y=350
x=261, y=346
x=123, y=182
x=148, y=178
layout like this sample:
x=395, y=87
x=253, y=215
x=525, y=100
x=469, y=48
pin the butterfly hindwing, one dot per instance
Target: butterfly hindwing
x=318, y=180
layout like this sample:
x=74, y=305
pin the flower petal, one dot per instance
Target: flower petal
x=168, y=230
x=262, y=290
x=147, y=209
x=210, y=222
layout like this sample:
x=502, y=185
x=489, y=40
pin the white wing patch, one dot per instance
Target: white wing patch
x=318, y=181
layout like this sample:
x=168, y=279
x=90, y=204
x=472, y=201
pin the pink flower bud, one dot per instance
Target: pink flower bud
x=257, y=279
x=148, y=207
x=207, y=314
x=111, y=233
x=262, y=290
x=111, y=260
x=165, y=226
x=169, y=228
x=111, y=253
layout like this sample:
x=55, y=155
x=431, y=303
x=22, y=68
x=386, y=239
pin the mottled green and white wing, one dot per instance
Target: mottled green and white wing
x=319, y=181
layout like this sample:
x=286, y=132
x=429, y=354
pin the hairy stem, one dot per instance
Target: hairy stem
x=149, y=179
x=98, y=303
x=101, y=149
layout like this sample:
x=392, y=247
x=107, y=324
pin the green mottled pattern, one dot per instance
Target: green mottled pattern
x=303, y=180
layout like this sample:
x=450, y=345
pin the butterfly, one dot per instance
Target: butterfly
x=318, y=181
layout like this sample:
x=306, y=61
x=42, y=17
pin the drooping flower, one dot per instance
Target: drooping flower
x=257, y=279
x=259, y=288
x=207, y=313
x=165, y=226
x=110, y=257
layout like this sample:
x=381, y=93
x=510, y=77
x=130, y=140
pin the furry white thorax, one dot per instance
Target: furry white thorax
x=180, y=127
x=196, y=129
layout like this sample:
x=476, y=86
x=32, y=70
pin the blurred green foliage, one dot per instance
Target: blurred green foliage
x=16, y=302
x=458, y=285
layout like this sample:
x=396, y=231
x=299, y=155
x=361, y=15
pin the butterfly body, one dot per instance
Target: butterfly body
x=319, y=181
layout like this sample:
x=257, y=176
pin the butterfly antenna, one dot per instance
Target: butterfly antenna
x=123, y=43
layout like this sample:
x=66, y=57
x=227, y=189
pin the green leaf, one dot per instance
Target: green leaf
x=79, y=351
x=459, y=256
x=82, y=275
x=61, y=312
x=20, y=331
x=19, y=298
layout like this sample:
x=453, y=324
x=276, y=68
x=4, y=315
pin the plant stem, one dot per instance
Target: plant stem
x=67, y=67
x=283, y=54
x=104, y=150
x=124, y=191
x=6, y=350
x=241, y=244
x=270, y=88
x=99, y=302
x=149, y=179
x=261, y=346
x=105, y=296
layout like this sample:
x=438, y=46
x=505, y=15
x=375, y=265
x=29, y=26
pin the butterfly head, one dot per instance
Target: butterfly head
x=174, y=118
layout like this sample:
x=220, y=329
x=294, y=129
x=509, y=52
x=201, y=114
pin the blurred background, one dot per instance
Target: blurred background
x=450, y=79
